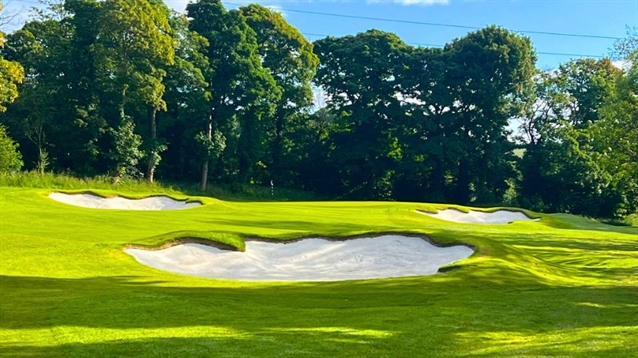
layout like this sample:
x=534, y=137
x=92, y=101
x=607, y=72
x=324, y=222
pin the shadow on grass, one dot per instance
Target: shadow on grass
x=276, y=347
x=453, y=312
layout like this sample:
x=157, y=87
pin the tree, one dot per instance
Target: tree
x=458, y=102
x=559, y=171
x=134, y=45
x=241, y=92
x=359, y=75
x=10, y=158
x=186, y=98
x=11, y=74
x=614, y=141
x=40, y=46
x=489, y=72
x=289, y=58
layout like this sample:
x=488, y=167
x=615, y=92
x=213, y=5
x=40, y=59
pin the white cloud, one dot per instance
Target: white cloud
x=410, y=2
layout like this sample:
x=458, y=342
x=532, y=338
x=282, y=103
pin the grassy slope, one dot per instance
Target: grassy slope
x=563, y=286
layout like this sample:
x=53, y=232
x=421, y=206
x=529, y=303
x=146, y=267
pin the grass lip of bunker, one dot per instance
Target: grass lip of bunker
x=308, y=259
x=479, y=217
x=93, y=201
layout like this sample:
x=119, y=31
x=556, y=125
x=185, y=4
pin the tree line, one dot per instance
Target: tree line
x=131, y=88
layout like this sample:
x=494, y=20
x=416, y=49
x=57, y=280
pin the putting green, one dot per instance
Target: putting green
x=562, y=286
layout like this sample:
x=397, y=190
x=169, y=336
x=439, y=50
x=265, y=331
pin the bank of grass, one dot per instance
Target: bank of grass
x=244, y=192
x=564, y=286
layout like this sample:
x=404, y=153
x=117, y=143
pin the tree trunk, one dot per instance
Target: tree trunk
x=204, y=176
x=276, y=171
x=150, y=171
x=209, y=133
x=463, y=179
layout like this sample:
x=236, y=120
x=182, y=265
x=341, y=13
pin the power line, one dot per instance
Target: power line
x=549, y=33
x=428, y=24
x=441, y=46
x=437, y=24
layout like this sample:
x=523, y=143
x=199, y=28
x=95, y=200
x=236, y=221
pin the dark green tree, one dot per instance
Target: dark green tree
x=289, y=58
x=10, y=157
x=360, y=76
x=459, y=100
x=132, y=49
x=489, y=72
x=241, y=92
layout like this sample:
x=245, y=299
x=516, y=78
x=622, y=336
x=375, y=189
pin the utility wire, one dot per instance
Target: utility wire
x=549, y=33
x=436, y=24
x=441, y=46
x=426, y=24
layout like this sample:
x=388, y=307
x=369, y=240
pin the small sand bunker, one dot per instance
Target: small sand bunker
x=479, y=217
x=98, y=202
x=308, y=259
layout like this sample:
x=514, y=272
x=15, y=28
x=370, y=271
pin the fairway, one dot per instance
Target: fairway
x=561, y=286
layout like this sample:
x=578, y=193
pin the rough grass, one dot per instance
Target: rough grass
x=564, y=286
x=224, y=192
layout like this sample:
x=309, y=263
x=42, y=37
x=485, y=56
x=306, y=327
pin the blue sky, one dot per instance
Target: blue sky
x=602, y=18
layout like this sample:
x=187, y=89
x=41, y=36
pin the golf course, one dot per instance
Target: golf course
x=405, y=178
x=560, y=286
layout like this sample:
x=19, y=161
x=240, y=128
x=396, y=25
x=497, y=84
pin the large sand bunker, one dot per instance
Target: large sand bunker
x=479, y=217
x=98, y=202
x=307, y=259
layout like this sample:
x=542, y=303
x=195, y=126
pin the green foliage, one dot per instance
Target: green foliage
x=361, y=76
x=11, y=74
x=10, y=157
x=614, y=141
x=289, y=58
x=242, y=91
x=126, y=150
x=211, y=147
x=561, y=169
x=424, y=124
x=632, y=220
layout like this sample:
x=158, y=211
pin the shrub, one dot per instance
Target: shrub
x=10, y=157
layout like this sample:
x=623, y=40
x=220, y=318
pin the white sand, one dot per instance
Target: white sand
x=97, y=202
x=308, y=259
x=479, y=217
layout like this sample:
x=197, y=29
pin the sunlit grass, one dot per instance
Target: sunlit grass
x=564, y=286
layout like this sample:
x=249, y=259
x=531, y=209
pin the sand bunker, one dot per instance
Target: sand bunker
x=479, y=217
x=308, y=259
x=98, y=202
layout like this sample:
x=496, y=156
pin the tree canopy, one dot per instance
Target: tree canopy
x=131, y=88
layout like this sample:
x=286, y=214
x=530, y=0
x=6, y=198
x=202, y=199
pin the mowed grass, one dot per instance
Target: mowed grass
x=564, y=286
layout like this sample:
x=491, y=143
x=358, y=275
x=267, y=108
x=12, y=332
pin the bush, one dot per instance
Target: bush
x=10, y=157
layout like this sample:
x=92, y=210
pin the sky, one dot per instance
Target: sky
x=437, y=22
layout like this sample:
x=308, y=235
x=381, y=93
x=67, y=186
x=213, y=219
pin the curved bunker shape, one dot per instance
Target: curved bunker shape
x=479, y=217
x=98, y=202
x=308, y=259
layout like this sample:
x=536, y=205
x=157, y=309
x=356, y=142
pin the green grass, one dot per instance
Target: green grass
x=564, y=286
x=224, y=192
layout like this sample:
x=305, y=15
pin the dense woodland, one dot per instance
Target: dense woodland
x=129, y=88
